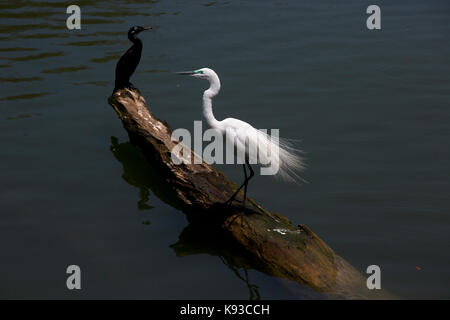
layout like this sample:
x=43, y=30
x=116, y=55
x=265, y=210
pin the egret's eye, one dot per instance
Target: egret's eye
x=199, y=71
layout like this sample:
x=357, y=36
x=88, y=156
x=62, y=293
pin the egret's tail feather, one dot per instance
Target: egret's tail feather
x=291, y=160
x=283, y=155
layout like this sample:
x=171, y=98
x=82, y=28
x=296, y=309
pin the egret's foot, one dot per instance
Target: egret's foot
x=229, y=202
x=243, y=212
x=240, y=215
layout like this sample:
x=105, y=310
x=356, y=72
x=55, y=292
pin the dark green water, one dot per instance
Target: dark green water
x=372, y=109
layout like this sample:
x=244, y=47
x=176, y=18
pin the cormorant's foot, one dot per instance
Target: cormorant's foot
x=131, y=86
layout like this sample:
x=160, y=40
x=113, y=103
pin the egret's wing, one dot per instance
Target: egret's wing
x=261, y=148
x=246, y=140
x=235, y=145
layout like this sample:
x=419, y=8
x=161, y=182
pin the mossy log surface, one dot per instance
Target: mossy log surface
x=275, y=245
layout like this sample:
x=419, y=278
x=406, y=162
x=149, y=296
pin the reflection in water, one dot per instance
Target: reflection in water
x=198, y=239
x=135, y=171
x=252, y=289
x=138, y=173
x=192, y=239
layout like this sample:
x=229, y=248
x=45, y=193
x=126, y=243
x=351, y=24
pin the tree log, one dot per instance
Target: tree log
x=273, y=244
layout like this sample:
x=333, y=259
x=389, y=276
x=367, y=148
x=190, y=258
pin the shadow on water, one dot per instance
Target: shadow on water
x=194, y=239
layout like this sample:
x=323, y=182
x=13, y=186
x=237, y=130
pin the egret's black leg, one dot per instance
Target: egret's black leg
x=252, y=173
x=247, y=179
x=230, y=201
x=241, y=213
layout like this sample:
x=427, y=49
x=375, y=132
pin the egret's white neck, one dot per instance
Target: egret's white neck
x=213, y=90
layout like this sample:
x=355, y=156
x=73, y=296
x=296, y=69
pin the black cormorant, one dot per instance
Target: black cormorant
x=130, y=60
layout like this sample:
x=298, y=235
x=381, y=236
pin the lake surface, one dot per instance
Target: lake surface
x=371, y=108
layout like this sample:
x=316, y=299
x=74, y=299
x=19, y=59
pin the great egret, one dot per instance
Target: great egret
x=279, y=153
x=129, y=61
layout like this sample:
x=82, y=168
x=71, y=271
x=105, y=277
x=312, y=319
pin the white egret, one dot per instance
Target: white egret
x=276, y=152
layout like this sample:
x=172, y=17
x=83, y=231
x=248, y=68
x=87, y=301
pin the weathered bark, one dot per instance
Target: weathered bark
x=271, y=241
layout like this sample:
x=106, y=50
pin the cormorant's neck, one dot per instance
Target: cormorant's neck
x=135, y=40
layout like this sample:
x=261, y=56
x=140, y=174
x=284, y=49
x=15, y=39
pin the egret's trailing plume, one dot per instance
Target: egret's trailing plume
x=283, y=156
x=129, y=61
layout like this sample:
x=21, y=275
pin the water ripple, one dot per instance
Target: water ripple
x=64, y=69
x=25, y=116
x=106, y=58
x=95, y=43
x=38, y=56
x=13, y=29
x=17, y=49
x=43, y=36
x=25, y=96
x=27, y=14
x=16, y=80
x=94, y=83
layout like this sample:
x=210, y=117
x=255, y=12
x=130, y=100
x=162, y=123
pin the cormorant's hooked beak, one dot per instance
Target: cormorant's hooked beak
x=185, y=73
x=144, y=29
